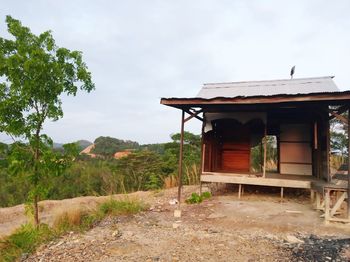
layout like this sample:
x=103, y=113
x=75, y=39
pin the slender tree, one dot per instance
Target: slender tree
x=34, y=74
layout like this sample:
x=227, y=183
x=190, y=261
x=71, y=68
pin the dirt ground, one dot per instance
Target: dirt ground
x=257, y=227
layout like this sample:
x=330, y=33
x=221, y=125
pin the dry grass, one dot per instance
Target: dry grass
x=71, y=218
x=192, y=174
x=170, y=181
x=336, y=161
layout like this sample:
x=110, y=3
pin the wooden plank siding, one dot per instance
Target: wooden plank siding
x=236, y=156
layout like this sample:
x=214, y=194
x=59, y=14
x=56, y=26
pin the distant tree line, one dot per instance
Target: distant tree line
x=148, y=167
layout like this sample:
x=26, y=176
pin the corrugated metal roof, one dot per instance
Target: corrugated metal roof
x=269, y=87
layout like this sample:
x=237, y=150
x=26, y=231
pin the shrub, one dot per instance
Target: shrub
x=196, y=198
x=206, y=195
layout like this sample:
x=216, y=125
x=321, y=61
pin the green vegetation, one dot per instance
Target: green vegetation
x=257, y=155
x=107, y=146
x=83, y=176
x=24, y=241
x=34, y=74
x=121, y=207
x=196, y=198
x=339, y=135
x=28, y=237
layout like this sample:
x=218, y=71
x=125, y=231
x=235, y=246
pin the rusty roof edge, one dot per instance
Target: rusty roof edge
x=259, y=96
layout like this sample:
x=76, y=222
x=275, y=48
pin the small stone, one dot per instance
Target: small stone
x=216, y=215
x=59, y=243
x=294, y=240
x=175, y=225
x=173, y=201
x=116, y=233
x=177, y=213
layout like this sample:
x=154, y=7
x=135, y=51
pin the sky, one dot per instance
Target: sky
x=140, y=51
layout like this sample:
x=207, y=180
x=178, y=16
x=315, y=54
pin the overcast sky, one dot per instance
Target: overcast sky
x=140, y=51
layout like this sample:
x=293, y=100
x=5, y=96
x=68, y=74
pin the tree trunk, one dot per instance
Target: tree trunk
x=36, y=161
x=36, y=211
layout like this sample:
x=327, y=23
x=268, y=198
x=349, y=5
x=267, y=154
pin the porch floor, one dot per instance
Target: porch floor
x=271, y=179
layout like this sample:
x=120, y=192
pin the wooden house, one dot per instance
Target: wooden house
x=240, y=116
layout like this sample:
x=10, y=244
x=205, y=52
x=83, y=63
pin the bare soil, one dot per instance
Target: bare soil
x=258, y=227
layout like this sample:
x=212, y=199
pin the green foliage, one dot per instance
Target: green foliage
x=84, y=176
x=196, y=198
x=257, y=154
x=52, y=163
x=121, y=207
x=34, y=74
x=206, y=195
x=191, y=156
x=154, y=182
x=108, y=146
x=339, y=135
x=157, y=148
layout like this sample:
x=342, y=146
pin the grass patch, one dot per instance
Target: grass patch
x=27, y=238
x=75, y=219
x=121, y=207
x=196, y=198
x=24, y=241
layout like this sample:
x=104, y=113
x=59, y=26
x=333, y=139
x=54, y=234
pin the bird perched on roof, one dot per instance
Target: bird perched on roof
x=292, y=72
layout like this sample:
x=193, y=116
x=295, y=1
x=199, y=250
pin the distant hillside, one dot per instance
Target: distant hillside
x=81, y=143
x=108, y=146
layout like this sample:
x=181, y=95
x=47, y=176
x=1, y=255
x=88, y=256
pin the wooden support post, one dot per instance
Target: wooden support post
x=281, y=193
x=318, y=201
x=312, y=196
x=181, y=157
x=328, y=151
x=315, y=136
x=327, y=203
x=202, y=157
x=265, y=148
x=278, y=154
x=348, y=198
x=239, y=191
x=261, y=156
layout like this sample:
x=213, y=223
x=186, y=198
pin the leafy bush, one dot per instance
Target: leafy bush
x=206, y=195
x=196, y=198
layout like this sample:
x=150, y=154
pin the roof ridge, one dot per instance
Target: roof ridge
x=261, y=81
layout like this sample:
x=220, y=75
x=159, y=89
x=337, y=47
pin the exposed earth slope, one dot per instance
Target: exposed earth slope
x=258, y=227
